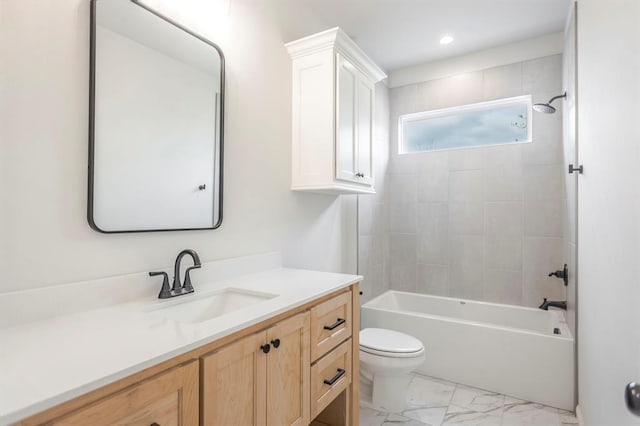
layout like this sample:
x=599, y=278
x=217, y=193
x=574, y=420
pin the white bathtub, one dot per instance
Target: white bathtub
x=502, y=348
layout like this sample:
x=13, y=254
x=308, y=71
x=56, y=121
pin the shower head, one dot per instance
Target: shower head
x=547, y=108
x=544, y=108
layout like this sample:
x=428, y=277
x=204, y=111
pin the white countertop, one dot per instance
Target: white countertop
x=47, y=362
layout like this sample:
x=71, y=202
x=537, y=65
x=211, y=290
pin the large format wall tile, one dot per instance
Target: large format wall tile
x=466, y=159
x=466, y=217
x=544, y=217
x=503, y=286
x=541, y=256
x=466, y=185
x=542, y=75
x=433, y=279
x=403, y=218
x=486, y=222
x=543, y=181
x=502, y=82
x=433, y=176
x=433, y=233
x=466, y=251
x=466, y=282
x=503, y=182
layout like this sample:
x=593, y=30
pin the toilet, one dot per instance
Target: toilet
x=386, y=359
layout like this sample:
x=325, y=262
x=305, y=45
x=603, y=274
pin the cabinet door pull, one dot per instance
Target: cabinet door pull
x=335, y=378
x=265, y=348
x=154, y=424
x=336, y=324
x=276, y=343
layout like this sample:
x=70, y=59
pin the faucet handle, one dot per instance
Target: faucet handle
x=165, y=291
x=188, y=287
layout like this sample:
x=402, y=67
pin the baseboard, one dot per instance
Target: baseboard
x=579, y=415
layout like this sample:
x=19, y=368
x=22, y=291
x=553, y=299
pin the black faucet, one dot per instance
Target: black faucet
x=545, y=304
x=178, y=288
x=564, y=274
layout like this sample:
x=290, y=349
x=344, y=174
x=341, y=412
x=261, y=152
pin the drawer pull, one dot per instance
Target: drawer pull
x=335, y=324
x=335, y=378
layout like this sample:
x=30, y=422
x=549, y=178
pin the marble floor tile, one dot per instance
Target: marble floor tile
x=518, y=412
x=369, y=417
x=465, y=416
x=567, y=418
x=427, y=392
x=397, y=419
x=478, y=400
x=435, y=402
x=428, y=416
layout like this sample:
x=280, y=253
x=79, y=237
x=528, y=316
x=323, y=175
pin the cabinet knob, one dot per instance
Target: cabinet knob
x=359, y=174
x=276, y=343
x=265, y=348
x=154, y=424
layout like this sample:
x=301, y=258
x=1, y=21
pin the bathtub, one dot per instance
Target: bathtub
x=522, y=352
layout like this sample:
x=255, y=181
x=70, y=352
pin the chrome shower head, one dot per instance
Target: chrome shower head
x=547, y=108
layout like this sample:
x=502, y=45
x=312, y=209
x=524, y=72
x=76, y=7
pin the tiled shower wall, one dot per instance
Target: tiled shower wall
x=481, y=223
x=373, y=218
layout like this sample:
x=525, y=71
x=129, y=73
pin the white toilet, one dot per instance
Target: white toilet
x=386, y=359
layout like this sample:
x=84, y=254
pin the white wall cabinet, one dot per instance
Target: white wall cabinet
x=333, y=93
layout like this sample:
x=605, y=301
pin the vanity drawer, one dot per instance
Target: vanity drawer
x=330, y=376
x=168, y=399
x=330, y=324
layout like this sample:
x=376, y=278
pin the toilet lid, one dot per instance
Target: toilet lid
x=379, y=339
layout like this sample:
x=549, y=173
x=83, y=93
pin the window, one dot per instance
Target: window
x=498, y=122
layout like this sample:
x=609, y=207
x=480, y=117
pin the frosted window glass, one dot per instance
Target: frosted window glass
x=488, y=123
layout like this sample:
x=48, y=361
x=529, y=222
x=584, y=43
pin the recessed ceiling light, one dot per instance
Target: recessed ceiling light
x=446, y=39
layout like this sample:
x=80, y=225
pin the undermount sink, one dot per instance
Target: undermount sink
x=211, y=306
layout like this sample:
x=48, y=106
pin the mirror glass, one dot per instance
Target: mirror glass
x=156, y=122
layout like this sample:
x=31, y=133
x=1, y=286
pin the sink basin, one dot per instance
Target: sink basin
x=211, y=306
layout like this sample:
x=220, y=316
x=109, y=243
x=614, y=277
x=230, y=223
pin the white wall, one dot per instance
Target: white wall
x=45, y=239
x=546, y=45
x=480, y=223
x=608, y=208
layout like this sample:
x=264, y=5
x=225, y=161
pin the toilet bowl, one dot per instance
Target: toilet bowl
x=386, y=359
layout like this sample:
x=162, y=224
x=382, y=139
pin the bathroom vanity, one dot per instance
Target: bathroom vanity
x=287, y=353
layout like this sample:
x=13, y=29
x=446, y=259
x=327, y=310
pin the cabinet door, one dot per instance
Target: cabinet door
x=364, y=131
x=234, y=384
x=289, y=372
x=169, y=399
x=346, y=126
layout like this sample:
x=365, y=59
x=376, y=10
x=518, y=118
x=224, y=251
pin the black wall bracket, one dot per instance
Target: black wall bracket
x=578, y=169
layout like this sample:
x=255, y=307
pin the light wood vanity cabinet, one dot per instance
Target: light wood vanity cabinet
x=168, y=399
x=332, y=99
x=297, y=368
x=263, y=379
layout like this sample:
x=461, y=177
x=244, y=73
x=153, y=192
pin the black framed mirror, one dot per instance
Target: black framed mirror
x=156, y=122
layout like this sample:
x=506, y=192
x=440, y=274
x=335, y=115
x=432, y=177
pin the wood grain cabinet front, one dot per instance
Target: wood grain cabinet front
x=330, y=376
x=262, y=379
x=331, y=324
x=168, y=399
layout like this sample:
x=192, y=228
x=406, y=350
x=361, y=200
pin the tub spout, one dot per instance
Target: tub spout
x=545, y=304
